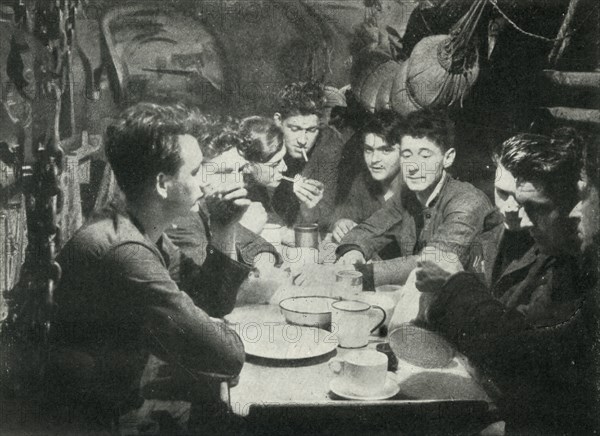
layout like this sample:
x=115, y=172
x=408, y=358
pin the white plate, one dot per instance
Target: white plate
x=390, y=389
x=265, y=334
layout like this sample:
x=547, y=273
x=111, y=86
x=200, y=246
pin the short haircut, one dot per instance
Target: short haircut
x=218, y=135
x=301, y=98
x=552, y=162
x=262, y=139
x=432, y=124
x=382, y=123
x=143, y=142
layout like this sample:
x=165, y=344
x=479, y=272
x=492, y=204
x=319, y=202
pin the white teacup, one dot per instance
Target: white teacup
x=352, y=323
x=363, y=372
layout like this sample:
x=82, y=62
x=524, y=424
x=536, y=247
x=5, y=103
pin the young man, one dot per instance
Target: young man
x=378, y=181
x=433, y=213
x=313, y=157
x=530, y=339
x=117, y=303
x=223, y=169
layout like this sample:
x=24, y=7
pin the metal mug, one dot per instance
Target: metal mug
x=351, y=279
x=307, y=235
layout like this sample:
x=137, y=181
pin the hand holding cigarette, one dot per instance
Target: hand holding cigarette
x=308, y=191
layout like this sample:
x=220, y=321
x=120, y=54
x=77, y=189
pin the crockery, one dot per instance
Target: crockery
x=352, y=321
x=420, y=347
x=361, y=372
x=310, y=311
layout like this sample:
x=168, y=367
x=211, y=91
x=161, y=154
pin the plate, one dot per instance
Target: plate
x=265, y=334
x=390, y=389
x=420, y=347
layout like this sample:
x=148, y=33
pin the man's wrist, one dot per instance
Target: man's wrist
x=368, y=274
x=224, y=238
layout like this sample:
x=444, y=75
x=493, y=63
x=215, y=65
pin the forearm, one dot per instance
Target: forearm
x=224, y=239
x=214, y=285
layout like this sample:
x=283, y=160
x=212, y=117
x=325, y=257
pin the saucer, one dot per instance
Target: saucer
x=390, y=389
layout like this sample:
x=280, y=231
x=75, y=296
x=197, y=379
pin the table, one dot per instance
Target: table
x=294, y=396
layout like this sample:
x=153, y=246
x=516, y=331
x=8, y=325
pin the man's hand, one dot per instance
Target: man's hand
x=352, y=257
x=308, y=191
x=430, y=277
x=227, y=206
x=341, y=227
x=255, y=217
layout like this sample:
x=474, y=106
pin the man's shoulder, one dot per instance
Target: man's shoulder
x=467, y=195
x=104, y=231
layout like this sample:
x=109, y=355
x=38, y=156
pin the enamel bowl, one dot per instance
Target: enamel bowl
x=308, y=311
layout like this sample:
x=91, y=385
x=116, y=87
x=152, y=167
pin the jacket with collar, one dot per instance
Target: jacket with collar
x=452, y=222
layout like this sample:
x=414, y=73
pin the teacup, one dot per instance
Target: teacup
x=352, y=323
x=363, y=372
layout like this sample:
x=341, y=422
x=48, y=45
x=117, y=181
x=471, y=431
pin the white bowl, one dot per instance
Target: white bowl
x=308, y=311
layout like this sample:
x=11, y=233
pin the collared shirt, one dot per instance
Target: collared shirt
x=119, y=301
x=451, y=222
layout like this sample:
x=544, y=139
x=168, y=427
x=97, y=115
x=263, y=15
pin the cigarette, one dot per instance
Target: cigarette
x=304, y=154
x=289, y=179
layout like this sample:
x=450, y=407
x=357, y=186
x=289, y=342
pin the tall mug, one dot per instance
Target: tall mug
x=307, y=243
x=352, y=321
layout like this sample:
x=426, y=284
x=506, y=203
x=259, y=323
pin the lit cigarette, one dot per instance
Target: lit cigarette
x=289, y=179
x=304, y=154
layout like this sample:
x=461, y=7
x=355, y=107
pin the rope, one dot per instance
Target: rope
x=524, y=32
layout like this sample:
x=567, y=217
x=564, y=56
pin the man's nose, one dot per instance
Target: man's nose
x=576, y=212
x=302, y=138
x=526, y=223
x=411, y=168
x=511, y=205
x=375, y=157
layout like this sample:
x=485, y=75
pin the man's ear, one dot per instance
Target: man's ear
x=449, y=157
x=162, y=182
x=278, y=119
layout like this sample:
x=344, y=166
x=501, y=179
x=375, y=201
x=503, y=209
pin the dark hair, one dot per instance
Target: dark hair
x=381, y=123
x=433, y=124
x=591, y=159
x=301, y=98
x=262, y=139
x=553, y=162
x=143, y=142
x=218, y=135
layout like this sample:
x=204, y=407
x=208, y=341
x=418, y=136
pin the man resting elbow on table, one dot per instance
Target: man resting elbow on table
x=432, y=214
x=533, y=339
x=117, y=303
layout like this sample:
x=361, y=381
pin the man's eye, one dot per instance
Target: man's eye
x=406, y=154
x=425, y=155
x=295, y=129
x=313, y=130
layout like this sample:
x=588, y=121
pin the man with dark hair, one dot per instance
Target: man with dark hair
x=528, y=337
x=433, y=213
x=378, y=181
x=313, y=157
x=118, y=301
x=223, y=165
